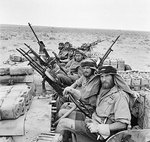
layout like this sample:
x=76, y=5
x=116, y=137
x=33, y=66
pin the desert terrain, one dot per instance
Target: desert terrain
x=133, y=46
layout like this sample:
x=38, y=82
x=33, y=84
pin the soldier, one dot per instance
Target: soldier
x=62, y=53
x=70, y=55
x=72, y=69
x=85, y=88
x=73, y=72
x=112, y=112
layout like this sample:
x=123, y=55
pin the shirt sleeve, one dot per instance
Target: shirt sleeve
x=121, y=109
x=78, y=82
x=68, y=64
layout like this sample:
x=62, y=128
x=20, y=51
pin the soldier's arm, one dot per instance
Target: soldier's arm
x=77, y=83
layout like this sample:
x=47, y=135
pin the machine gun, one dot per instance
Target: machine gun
x=49, y=64
x=87, y=47
x=50, y=77
x=36, y=55
x=41, y=44
x=107, y=53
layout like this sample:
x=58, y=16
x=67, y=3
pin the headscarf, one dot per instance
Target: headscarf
x=119, y=82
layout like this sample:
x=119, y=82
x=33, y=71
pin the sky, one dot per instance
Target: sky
x=97, y=14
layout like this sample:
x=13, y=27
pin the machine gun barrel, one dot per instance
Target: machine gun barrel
x=32, y=62
x=41, y=44
x=42, y=71
x=107, y=52
x=34, y=32
x=35, y=54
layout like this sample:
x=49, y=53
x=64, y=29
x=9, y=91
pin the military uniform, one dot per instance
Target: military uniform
x=74, y=72
x=89, y=90
x=111, y=106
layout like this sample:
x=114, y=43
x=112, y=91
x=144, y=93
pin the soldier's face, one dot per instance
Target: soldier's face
x=107, y=81
x=86, y=70
x=67, y=45
x=78, y=57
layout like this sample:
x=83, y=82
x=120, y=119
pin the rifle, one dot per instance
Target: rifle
x=41, y=44
x=43, y=72
x=107, y=53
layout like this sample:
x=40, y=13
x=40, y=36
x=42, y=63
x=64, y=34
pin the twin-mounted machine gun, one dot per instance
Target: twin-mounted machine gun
x=88, y=46
x=51, y=78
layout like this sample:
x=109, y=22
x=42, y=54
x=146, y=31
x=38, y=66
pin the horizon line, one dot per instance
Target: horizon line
x=79, y=28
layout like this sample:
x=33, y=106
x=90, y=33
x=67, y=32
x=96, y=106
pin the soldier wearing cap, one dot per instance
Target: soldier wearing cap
x=112, y=113
x=85, y=89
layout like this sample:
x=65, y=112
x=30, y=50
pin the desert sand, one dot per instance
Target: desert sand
x=133, y=46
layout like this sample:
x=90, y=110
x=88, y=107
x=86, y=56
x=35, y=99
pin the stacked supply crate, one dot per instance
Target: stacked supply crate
x=136, y=79
x=119, y=64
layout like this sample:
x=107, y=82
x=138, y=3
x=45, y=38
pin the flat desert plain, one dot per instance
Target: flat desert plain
x=133, y=46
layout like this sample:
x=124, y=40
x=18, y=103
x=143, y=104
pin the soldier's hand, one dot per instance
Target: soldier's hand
x=66, y=91
x=92, y=126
